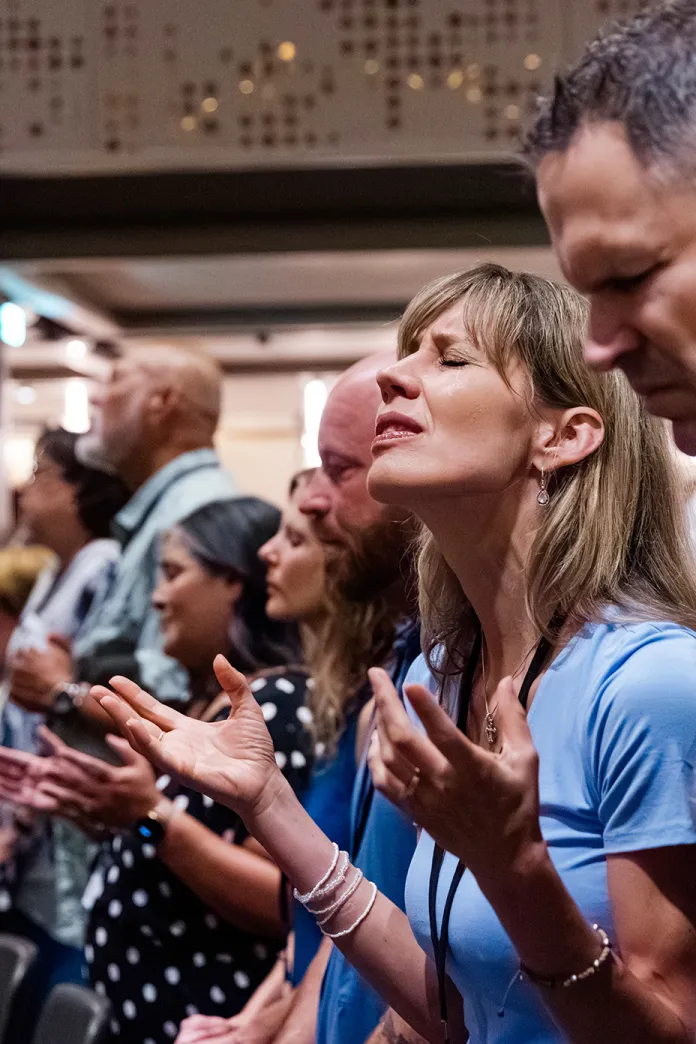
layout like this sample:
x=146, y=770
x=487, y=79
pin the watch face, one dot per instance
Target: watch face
x=63, y=703
x=150, y=830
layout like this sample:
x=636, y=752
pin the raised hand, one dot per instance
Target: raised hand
x=480, y=805
x=232, y=761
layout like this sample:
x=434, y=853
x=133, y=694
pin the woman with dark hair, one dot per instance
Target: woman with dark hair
x=67, y=508
x=186, y=914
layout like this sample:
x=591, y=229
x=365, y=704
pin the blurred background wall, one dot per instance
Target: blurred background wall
x=267, y=181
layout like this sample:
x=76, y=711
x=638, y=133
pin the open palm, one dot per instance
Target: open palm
x=232, y=761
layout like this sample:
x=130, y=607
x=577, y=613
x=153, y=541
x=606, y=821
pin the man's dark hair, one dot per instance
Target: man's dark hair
x=99, y=497
x=642, y=75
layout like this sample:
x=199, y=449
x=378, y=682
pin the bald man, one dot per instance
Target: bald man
x=155, y=421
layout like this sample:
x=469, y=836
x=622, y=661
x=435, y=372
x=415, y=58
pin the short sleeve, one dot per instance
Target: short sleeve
x=642, y=744
x=418, y=674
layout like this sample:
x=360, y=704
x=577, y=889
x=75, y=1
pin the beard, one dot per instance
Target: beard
x=373, y=565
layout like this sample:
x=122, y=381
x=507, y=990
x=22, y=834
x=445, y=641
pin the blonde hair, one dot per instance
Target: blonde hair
x=614, y=533
x=19, y=570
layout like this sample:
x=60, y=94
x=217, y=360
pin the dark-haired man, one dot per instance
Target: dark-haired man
x=614, y=150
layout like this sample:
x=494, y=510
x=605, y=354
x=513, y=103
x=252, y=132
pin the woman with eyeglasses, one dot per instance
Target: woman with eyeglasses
x=185, y=909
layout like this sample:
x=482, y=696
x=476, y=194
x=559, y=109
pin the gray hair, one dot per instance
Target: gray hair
x=641, y=74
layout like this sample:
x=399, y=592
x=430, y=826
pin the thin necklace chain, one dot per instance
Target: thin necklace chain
x=491, y=728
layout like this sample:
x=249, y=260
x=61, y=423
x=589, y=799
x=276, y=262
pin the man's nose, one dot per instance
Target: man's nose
x=610, y=334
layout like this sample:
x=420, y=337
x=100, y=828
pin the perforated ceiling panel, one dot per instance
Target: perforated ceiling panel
x=111, y=85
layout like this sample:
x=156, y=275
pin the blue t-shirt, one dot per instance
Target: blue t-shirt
x=382, y=845
x=614, y=724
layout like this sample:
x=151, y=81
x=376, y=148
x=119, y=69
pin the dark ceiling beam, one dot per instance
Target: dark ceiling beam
x=257, y=211
x=200, y=321
x=264, y=365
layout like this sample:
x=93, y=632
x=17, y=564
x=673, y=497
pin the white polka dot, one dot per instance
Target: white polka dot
x=140, y=898
x=304, y=714
x=132, y=955
x=149, y=1040
x=199, y=960
x=241, y=979
x=285, y=686
x=100, y=936
x=117, y=843
x=170, y=1029
x=211, y=921
x=115, y=1027
x=310, y=683
x=217, y=995
x=163, y=782
x=89, y=953
x=165, y=890
x=127, y=858
x=129, y=1009
x=223, y=958
x=149, y=993
x=113, y=874
x=181, y=802
x=115, y=908
x=146, y=930
x=258, y=684
x=281, y=759
x=172, y=975
x=319, y=749
x=178, y=928
x=100, y=988
x=114, y=972
x=149, y=851
x=269, y=711
x=208, y=801
x=260, y=951
x=191, y=1009
x=297, y=759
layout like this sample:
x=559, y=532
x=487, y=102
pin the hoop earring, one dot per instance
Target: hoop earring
x=543, y=497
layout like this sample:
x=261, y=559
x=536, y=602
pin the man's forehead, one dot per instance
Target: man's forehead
x=599, y=202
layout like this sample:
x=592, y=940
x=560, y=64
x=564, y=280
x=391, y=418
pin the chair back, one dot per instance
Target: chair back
x=72, y=1014
x=16, y=958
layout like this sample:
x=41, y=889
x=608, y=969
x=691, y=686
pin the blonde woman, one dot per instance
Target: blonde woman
x=553, y=881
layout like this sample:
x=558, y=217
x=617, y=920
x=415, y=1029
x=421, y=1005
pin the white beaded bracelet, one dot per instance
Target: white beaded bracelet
x=329, y=911
x=333, y=884
x=356, y=923
x=307, y=898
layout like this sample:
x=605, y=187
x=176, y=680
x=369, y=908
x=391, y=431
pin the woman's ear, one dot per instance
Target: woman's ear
x=575, y=435
x=236, y=588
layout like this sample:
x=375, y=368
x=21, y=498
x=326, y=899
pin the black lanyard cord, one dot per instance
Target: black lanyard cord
x=440, y=940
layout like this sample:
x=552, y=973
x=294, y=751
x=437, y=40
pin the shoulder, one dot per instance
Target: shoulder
x=644, y=684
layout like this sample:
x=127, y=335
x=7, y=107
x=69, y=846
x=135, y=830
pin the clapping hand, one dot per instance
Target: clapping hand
x=481, y=805
x=78, y=787
x=232, y=760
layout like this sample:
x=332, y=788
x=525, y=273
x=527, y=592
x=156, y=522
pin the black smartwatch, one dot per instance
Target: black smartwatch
x=67, y=697
x=152, y=827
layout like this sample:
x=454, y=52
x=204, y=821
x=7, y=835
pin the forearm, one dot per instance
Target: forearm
x=240, y=886
x=273, y=988
x=393, y=1030
x=382, y=947
x=300, y=1025
x=554, y=939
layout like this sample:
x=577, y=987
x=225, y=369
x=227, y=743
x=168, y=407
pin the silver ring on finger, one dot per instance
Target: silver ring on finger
x=412, y=784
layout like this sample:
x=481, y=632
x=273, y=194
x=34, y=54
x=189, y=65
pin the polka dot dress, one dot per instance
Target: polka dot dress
x=153, y=947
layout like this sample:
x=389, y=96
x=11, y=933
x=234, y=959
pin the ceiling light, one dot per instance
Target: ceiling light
x=13, y=324
x=76, y=350
x=287, y=51
x=25, y=395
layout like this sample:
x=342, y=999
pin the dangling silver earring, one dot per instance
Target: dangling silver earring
x=543, y=495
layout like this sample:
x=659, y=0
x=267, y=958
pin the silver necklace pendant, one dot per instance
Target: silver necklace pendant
x=491, y=730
